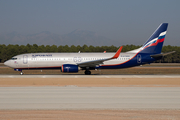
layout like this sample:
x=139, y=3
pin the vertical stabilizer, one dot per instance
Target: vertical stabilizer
x=155, y=42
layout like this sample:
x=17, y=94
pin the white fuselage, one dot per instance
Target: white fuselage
x=53, y=60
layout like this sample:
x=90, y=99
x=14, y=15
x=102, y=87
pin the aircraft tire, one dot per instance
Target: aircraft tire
x=87, y=72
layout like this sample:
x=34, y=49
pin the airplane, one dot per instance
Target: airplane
x=73, y=62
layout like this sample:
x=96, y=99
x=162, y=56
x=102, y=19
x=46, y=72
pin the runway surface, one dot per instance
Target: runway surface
x=89, y=76
x=89, y=98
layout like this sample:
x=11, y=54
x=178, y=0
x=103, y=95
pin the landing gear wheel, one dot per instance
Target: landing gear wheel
x=87, y=72
x=21, y=73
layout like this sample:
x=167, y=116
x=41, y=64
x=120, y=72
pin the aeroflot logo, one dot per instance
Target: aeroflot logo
x=43, y=55
x=161, y=36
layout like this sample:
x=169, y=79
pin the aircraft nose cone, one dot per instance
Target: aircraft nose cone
x=7, y=63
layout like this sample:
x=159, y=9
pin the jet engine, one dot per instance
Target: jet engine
x=69, y=68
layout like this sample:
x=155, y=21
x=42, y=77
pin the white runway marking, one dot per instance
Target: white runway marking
x=73, y=98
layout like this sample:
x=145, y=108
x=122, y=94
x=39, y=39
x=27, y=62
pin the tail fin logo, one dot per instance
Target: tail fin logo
x=155, y=41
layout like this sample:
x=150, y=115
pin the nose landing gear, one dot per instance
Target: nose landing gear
x=21, y=73
x=16, y=69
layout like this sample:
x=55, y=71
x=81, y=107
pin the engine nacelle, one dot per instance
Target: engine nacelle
x=69, y=68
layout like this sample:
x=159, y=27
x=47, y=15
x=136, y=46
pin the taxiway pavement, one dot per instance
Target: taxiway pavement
x=77, y=98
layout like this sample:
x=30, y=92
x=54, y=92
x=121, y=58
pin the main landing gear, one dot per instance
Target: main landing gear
x=87, y=72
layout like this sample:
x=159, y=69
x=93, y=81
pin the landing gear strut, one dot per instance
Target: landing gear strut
x=87, y=72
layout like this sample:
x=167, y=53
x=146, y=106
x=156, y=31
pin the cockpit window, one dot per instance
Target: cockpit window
x=13, y=58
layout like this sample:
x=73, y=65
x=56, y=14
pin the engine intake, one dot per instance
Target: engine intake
x=69, y=68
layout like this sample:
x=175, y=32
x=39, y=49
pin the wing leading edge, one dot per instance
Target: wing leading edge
x=97, y=62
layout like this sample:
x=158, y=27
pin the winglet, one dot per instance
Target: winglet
x=117, y=53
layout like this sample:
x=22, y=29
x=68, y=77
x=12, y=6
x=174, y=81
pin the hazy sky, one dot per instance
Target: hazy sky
x=128, y=21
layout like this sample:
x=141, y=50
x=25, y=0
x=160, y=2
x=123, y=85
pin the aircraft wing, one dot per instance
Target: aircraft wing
x=97, y=62
x=159, y=56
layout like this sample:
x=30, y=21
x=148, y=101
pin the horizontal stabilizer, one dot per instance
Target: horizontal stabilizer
x=159, y=56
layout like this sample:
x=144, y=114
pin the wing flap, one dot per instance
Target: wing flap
x=91, y=63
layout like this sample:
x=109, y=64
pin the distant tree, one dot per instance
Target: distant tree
x=66, y=48
x=85, y=48
x=48, y=48
x=54, y=48
x=7, y=52
x=60, y=48
x=34, y=48
x=79, y=48
x=73, y=48
x=91, y=48
x=41, y=48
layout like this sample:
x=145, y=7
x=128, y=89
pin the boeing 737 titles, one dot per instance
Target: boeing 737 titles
x=73, y=62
